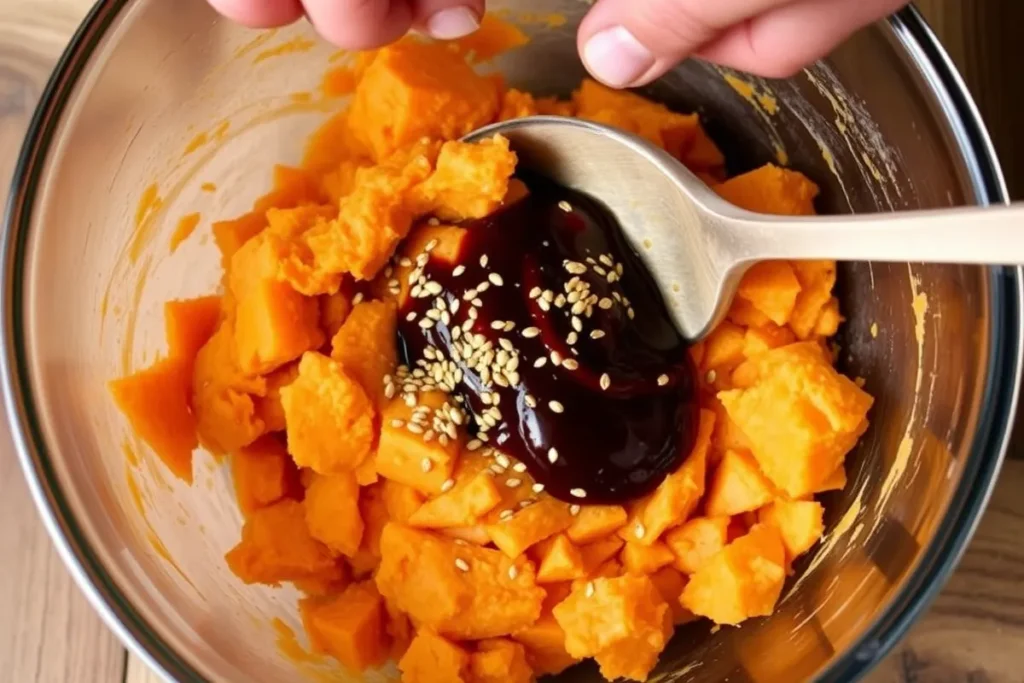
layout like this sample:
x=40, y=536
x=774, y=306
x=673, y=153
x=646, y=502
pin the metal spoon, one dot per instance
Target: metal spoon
x=698, y=246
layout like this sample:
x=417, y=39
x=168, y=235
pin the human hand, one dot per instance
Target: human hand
x=623, y=43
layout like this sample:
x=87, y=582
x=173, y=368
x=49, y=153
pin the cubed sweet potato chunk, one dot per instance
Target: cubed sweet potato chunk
x=677, y=496
x=269, y=407
x=623, y=623
x=594, y=522
x=737, y=485
x=330, y=419
x=723, y=348
x=758, y=340
x=772, y=190
x=598, y=553
x=743, y=313
x=263, y=473
x=801, y=416
x=334, y=310
x=470, y=181
x=835, y=482
x=499, y=660
x=462, y=506
x=696, y=541
x=402, y=452
x=223, y=396
x=516, y=104
x=276, y=546
x=366, y=346
x=274, y=324
x=798, y=521
x=530, y=525
x=544, y=641
x=348, y=626
x=400, y=629
x=559, y=560
x=401, y=501
x=829, y=320
x=703, y=155
x=433, y=659
x=373, y=509
x=414, y=90
x=230, y=235
x=670, y=584
x=332, y=512
x=156, y=402
x=743, y=580
x=772, y=287
x=461, y=591
x=188, y=324
x=646, y=559
x=817, y=278
x=446, y=247
x=326, y=584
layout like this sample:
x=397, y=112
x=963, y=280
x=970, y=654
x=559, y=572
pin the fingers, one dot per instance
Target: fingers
x=360, y=24
x=631, y=42
x=260, y=13
x=782, y=41
x=448, y=19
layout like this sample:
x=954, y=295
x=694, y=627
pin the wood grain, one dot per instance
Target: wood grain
x=49, y=634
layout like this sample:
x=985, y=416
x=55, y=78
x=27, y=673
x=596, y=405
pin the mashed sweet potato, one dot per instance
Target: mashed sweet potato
x=411, y=541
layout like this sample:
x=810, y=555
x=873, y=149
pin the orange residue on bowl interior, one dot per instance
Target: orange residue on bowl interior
x=195, y=143
x=301, y=97
x=297, y=44
x=135, y=493
x=148, y=208
x=288, y=643
x=129, y=453
x=133, y=313
x=186, y=226
x=208, y=187
x=255, y=43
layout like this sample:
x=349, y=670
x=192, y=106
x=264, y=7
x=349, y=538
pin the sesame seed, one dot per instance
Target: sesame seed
x=570, y=364
x=530, y=401
x=497, y=324
x=556, y=407
x=461, y=564
x=577, y=493
x=535, y=292
x=538, y=488
x=426, y=464
x=398, y=424
x=506, y=514
x=458, y=270
x=574, y=510
x=577, y=324
x=559, y=301
x=509, y=326
x=630, y=312
x=414, y=428
x=605, y=303
x=543, y=305
x=552, y=455
x=513, y=482
x=607, y=260
x=497, y=469
x=662, y=380
x=571, y=338
x=589, y=590
x=513, y=572
x=711, y=376
x=556, y=358
x=519, y=468
x=434, y=288
x=565, y=206
x=596, y=334
x=540, y=362
x=410, y=400
x=411, y=316
x=531, y=332
x=422, y=260
x=502, y=460
x=640, y=531
x=447, y=485
x=483, y=287
x=432, y=221
x=357, y=299
x=405, y=262
x=483, y=261
x=495, y=279
x=606, y=382
x=430, y=246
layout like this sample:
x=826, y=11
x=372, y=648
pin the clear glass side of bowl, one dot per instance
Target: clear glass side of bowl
x=864, y=126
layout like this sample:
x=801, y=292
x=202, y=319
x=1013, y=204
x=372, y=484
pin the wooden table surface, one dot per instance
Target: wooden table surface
x=973, y=633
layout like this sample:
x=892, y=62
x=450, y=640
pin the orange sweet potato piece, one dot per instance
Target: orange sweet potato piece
x=817, y=278
x=274, y=324
x=801, y=416
x=276, y=546
x=743, y=580
x=772, y=288
x=696, y=541
x=433, y=659
x=400, y=629
x=530, y=525
x=334, y=309
x=326, y=584
x=401, y=501
x=414, y=90
x=677, y=496
x=470, y=180
x=670, y=584
x=703, y=154
x=623, y=623
x=516, y=104
x=401, y=452
x=446, y=242
x=829, y=319
x=189, y=324
x=373, y=509
x=499, y=660
x=594, y=522
x=230, y=235
x=366, y=346
x=292, y=187
x=743, y=313
x=332, y=512
x=544, y=641
x=156, y=402
x=462, y=506
x=772, y=190
x=758, y=340
x=835, y=481
x=348, y=626
x=263, y=473
x=269, y=407
x=646, y=559
x=559, y=560
x=673, y=132
x=461, y=591
x=223, y=396
x=737, y=485
x=330, y=419
x=723, y=348
x=726, y=435
x=798, y=521
x=596, y=554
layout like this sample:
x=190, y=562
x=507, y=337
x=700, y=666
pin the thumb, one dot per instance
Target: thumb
x=631, y=42
x=364, y=24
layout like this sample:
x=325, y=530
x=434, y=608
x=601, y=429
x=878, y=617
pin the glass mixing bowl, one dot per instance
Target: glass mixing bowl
x=883, y=124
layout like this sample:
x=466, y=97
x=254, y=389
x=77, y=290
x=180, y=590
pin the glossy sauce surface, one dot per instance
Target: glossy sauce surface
x=567, y=358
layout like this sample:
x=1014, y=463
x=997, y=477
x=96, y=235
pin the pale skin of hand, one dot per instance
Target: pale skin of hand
x=623, y=43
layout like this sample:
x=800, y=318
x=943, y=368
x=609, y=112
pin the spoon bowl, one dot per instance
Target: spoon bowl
x=698, y=246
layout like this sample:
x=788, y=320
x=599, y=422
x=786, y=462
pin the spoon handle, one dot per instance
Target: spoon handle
x=977, y=235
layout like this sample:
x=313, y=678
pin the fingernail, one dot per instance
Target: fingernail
x=616, y=58
x=451, y=23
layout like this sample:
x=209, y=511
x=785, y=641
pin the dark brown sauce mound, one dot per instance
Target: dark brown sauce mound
x=612, y=407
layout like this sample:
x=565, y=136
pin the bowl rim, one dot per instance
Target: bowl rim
x=988, y=447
